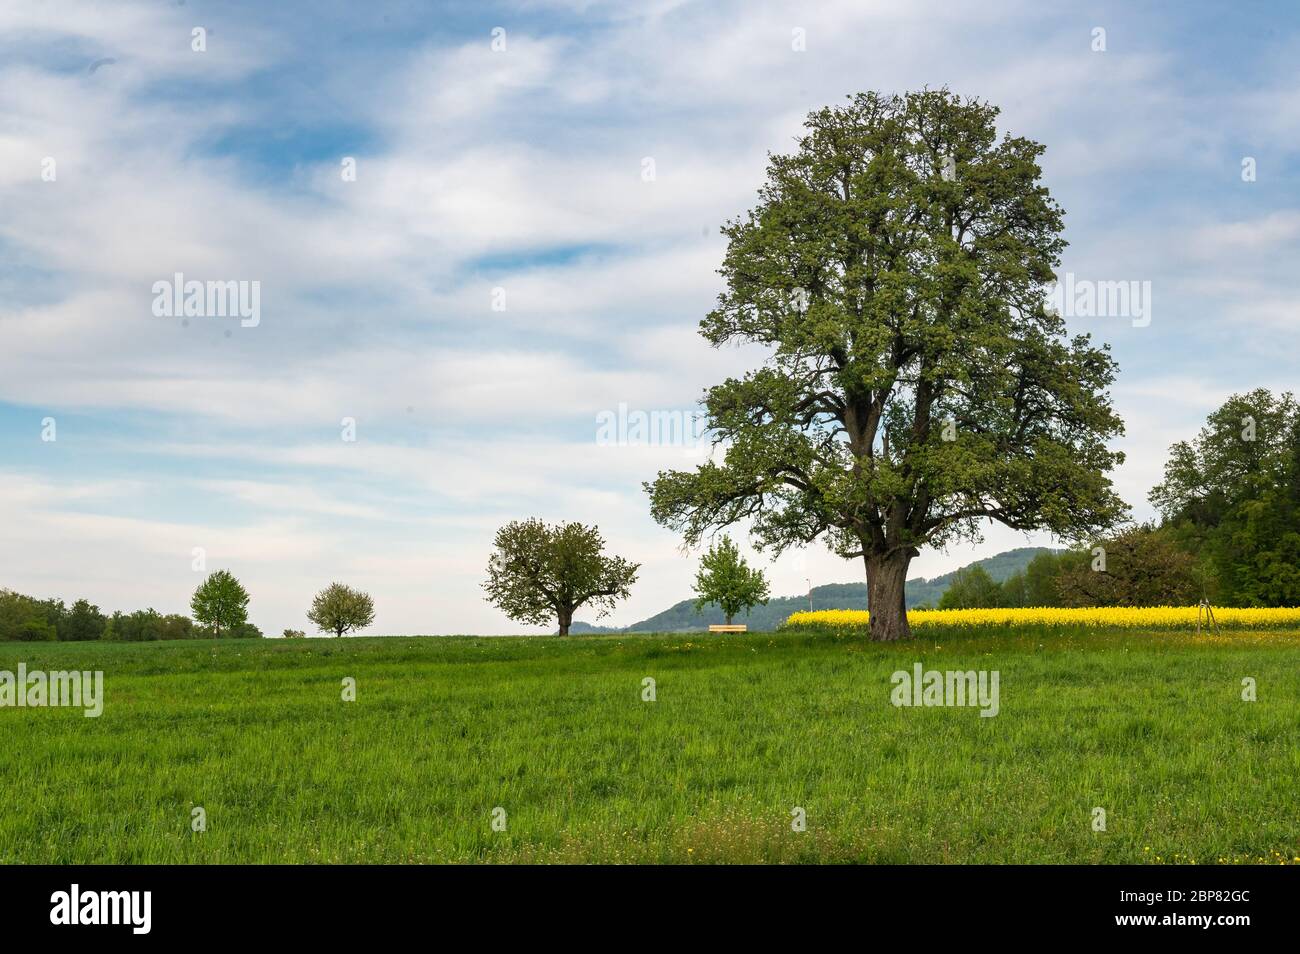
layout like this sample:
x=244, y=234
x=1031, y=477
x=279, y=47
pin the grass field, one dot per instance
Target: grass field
x=1149, y=726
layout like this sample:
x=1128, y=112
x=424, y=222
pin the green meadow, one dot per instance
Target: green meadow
x=743, y=730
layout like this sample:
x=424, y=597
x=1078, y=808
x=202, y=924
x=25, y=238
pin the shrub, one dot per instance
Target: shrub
x=36, y=630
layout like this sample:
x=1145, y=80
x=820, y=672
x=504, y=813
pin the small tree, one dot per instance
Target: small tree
x=339, y=609
x=220, y=601
x=726, y=579
x=539, y=572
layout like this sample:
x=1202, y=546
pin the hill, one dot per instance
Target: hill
x=683, y=617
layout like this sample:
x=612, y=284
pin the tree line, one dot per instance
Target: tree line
x=1139, y=567
x=28, y=619
x=219, y=609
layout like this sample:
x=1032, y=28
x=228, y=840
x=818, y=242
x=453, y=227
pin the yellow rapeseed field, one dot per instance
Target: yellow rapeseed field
x=1109, y=617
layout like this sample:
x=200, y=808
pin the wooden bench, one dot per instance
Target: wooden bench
x=728, y=629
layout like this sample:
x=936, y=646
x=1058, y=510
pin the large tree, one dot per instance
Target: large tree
x=220, y=602
x=896, y=270
x=540, y=572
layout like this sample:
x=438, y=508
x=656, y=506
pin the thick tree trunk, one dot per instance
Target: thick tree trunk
x=566, y=620
x=728, y=620
x=886, y=600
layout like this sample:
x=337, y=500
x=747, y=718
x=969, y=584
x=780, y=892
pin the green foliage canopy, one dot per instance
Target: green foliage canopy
x=539, y=572
x=340, y=609
x=972, y=588
x=726, y=579
x=220, y=602
x=896, y=268
x=1232, y=494
x=1143, y=566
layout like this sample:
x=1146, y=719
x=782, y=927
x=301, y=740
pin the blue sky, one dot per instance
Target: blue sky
x=521, y=169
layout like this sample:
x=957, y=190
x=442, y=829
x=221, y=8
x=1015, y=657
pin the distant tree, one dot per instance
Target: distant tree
x=1243, y=451
x=725, y=578
x=152, y=625
x=1040, y=580
x=294, y=634
x=1260, y=555
x=220, y=602
x=15, y=610
x=1232, y=497
x=1014, y=590
x=83, y=622
x=971, y=588
x=1143, y=567
x=55, y=614
x=113, y=628
x=142, y=626
x=339, y=609
x=122, y=628
x=175, y=626
x=539, y=572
